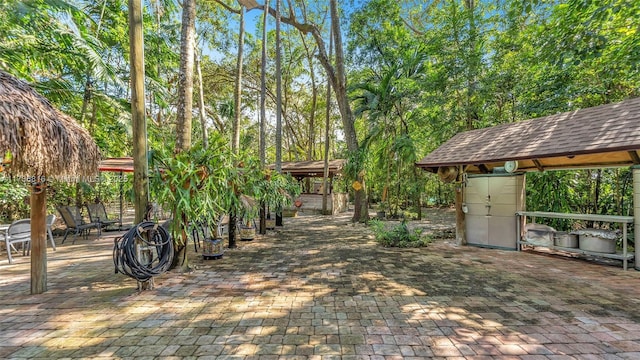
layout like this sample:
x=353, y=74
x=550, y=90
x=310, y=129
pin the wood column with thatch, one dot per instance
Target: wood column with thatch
x=38, y=139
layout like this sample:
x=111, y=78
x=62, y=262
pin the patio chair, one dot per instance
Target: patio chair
x=50, y=220
x=75, y=223
x=19, y=232
x=98, y=214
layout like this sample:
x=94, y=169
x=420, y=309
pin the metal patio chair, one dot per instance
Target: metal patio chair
x=98, y=214
x=74, y=222
x=50, y=220
x=19, y=232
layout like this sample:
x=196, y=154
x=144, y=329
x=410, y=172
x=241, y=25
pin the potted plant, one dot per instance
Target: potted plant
x=270, y=221
x=247, y=229
x=189, y=185
x=247, y=223
x=277, y=191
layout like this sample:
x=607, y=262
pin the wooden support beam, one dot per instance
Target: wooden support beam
x=483, y=168
x=635, y=157
x=538, y=164
x=38, y=240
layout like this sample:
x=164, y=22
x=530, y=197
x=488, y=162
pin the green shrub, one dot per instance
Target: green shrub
x=398, y=236
x=14, y=200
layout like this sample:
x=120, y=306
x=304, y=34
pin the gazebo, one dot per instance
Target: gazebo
x=598, y=137
x=38, y=142
x=312, y=198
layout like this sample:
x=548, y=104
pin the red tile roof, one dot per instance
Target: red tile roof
x=117, y=164
x=598, y=130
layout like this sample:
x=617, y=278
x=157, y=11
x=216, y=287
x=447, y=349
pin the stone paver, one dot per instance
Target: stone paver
x=321, y=288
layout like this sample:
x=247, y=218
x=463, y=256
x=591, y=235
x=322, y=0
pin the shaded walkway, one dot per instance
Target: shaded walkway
x=322, y=288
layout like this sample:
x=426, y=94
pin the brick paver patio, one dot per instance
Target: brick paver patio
x=321, y=288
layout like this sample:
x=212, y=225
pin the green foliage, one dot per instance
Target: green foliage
x=192, y=184
x=200, y=184
x=419, y=73
x=14, y=200
x=252, y=186
x=604, y=192
x=277, y=191
x=398, y=236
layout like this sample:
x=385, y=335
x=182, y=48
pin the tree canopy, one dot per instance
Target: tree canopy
x=415, y=73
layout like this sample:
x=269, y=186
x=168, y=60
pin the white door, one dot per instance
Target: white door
x=492, y=202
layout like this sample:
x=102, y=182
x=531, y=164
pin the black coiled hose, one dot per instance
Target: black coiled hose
x=149, y=239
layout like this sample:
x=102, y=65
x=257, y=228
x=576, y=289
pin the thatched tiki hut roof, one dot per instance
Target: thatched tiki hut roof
x=42, y=142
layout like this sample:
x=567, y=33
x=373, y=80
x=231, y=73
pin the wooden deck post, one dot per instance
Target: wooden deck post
x=461, y=226
x=38, y=240
x=461, y=236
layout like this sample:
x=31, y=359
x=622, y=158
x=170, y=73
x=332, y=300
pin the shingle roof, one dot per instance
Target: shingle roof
x=602, y=130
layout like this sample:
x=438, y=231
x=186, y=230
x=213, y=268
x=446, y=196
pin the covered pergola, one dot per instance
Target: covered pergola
x=121, y=165
x=601, y=136
x=311, y=168
x=312, y=200
x=598, y=137
x=40, y=142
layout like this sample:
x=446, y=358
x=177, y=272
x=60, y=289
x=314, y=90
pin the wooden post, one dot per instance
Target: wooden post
x=38, y=240
x=327, y=128
x=461, y=235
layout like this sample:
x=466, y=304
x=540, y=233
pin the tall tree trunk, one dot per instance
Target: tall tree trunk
x=140, y=165
x=418, y=192
x=235, y=140
x=140, y=174
x=263, y=88
x=314, y=101
x=340, y=87
x=596, y=192
x=185, y=76
x=184, y=110
x=473, y=67
x=327, y=126
x=278, y=105
x=263, y=110
x=237, y=95
x=202, y=112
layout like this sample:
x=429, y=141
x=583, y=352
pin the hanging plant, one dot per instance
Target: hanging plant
x=277, y=190
x=192, y=185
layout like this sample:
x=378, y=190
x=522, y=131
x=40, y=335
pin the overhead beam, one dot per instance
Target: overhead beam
x=538, y=164
x=483, y=168
x=634, y=157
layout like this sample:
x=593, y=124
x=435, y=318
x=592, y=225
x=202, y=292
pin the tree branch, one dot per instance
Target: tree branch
x=229, y=8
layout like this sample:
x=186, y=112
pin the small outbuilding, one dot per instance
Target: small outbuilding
x=490, y=165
